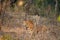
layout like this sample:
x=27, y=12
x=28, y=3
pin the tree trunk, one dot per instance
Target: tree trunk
x=56, y=8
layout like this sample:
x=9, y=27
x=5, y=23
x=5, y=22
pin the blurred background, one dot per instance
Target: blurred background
x=45, y=8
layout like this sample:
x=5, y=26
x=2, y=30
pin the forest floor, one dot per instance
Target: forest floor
x=31, y=27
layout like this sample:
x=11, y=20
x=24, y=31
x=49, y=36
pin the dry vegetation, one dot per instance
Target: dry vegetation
x=17, y=24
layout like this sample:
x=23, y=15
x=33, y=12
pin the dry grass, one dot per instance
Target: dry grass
x=30, y=27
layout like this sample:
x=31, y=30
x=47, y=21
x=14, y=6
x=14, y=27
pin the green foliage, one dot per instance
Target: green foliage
x=7, y=37
x=38, y=3
x=58, y=18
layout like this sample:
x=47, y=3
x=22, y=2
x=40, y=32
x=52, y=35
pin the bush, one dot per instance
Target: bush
x=7, y=37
